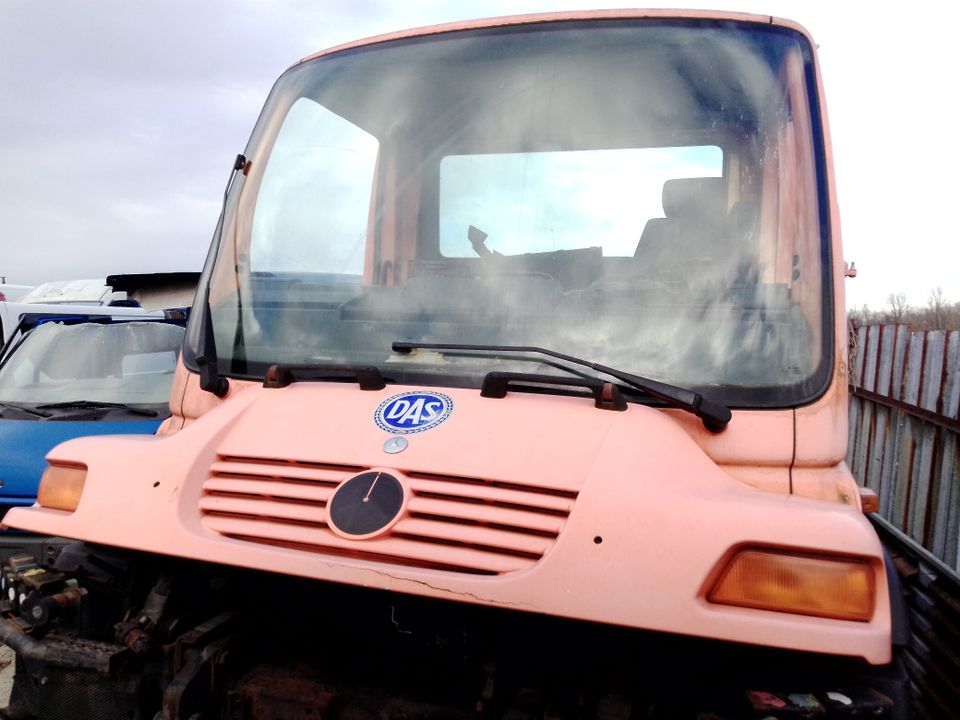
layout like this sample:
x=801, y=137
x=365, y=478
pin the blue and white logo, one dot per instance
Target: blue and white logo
x=413, y=412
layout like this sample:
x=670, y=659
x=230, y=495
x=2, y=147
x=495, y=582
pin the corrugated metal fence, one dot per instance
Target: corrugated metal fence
x=905, y=444
x=905, y=431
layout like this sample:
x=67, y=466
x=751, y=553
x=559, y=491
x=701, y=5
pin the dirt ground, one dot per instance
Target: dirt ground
x=6, y=674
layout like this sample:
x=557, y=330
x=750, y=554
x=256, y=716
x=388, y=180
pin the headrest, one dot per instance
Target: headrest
x=694, y=197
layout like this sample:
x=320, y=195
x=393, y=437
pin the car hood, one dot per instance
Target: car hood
x=25, y=443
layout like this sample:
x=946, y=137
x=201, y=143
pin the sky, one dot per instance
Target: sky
x=119, y=122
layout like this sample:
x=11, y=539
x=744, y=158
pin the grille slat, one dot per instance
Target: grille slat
x=266, y=509
x=460, y=524
x=489, y=493
x=398, y=550
x=483, y=513
x=327, y=475
x=268, y=489
x=472, y=535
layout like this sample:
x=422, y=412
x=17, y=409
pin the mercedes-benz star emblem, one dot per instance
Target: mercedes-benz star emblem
x=395, y=445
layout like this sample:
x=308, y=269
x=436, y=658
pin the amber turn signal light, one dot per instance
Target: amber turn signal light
x=61, y=487
x=823, y=586
x=869, y=500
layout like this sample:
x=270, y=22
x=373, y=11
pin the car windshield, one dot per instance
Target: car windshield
x=130, y=363
x=645, y=194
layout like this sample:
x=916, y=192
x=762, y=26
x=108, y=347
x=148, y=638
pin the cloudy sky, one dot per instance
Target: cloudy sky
x=119, y=121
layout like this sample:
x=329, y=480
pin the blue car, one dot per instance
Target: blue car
x=68, y=376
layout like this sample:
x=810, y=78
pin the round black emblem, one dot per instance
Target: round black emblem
x=365, y=504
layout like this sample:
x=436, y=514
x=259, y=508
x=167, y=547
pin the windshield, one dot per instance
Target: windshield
x=644, y=194
x=131, y=363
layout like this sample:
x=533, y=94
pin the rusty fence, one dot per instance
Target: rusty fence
x=905, y=431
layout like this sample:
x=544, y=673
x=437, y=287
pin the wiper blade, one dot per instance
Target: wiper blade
x=96, y=405
x=714, y=415
x=27, y=410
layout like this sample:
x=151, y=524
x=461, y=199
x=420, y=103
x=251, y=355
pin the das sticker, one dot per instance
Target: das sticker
x=413, y=412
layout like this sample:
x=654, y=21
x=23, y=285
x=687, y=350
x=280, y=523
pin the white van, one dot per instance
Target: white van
x=12, y=313
x=77, y=292
x=13, y=293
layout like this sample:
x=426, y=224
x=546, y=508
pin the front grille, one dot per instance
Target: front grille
x=460, y=524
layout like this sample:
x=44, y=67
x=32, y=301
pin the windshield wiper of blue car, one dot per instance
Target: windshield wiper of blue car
x=20, y=408
x=97, y=405
x=714, y=415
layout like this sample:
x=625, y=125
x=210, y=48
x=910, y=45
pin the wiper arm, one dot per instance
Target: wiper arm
x=210, y=378
x=714, y=415
x=96, y=405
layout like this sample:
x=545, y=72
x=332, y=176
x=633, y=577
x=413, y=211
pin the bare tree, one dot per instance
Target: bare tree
x=937, y=309
x=898, y=306
x=938, y=314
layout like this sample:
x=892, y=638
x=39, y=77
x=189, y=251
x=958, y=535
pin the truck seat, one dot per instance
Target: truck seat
x=698, y=237
x=695, y=211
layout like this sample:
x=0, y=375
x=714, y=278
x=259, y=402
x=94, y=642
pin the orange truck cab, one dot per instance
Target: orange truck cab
x=515, y=387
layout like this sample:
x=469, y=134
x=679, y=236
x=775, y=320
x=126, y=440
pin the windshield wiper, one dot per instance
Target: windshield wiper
x=21, y=408
x=714, y=415
x=96, y=405
x=210, y=378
